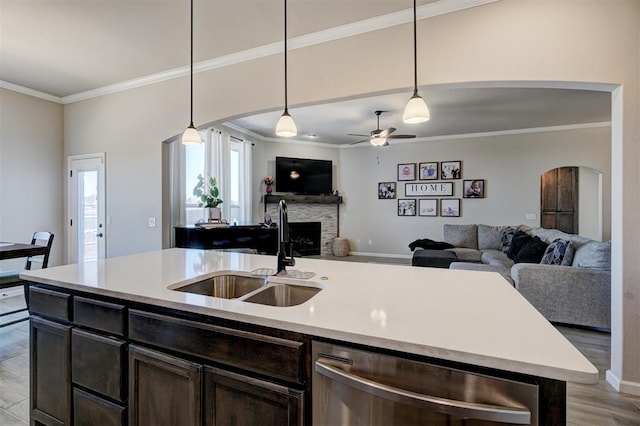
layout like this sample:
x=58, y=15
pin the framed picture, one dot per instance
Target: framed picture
x=406, y=207
x=428, y=189
x=473, y=188
x=428, y=207
x=450, y=207
x=451, y=170
x=428, y=171
x=386, y=190
x=407, y=171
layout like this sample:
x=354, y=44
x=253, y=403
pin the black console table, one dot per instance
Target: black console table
x=258, y=237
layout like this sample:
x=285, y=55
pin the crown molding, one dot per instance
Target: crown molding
x=428, y=10
x=30, y=92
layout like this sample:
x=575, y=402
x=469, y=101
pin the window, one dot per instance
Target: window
x=228, y=159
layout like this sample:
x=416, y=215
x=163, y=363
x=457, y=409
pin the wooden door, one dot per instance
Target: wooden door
x=236, y=399
x=163, y=390
x=559, y=199
x=50, y=373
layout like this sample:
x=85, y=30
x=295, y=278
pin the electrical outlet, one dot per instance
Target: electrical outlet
x=530, y=216
x=152, y=222
x=370, y=242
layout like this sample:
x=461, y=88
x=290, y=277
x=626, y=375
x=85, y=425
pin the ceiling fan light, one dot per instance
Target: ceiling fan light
x=191, y=136
x=286, y=126
x=416, y=110
x=378, y=141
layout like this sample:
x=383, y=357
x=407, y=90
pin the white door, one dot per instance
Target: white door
x=86, y=225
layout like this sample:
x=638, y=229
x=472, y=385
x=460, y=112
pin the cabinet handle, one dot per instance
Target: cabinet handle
x=494, y=413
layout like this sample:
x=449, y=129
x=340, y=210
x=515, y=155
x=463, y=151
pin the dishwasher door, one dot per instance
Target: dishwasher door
x=354, y=387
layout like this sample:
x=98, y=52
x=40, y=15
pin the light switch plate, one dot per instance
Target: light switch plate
x=152, y=222
x=531, y=216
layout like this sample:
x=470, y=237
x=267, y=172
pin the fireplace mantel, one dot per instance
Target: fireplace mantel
x=309, y=199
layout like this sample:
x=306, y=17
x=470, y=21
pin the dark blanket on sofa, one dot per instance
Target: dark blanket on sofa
x=428, y=244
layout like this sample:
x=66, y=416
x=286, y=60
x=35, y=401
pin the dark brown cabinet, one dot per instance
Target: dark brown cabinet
x=164, y=390
x=102, y=361
x=236, y=399
x=559, y=199
x=50, y=372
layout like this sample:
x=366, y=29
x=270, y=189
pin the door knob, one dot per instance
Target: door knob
x=99, y=235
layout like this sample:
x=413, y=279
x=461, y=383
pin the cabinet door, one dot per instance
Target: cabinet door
x=235, y=399
x=163, y=390
x=50, y=372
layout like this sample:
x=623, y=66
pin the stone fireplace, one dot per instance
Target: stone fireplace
x=310, y=208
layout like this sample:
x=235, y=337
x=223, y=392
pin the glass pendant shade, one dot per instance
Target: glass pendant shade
x=191, y=136
x=416, y=110
x=378, y=141
x=286, y=126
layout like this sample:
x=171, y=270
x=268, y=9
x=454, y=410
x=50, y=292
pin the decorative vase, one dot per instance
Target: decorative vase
x=269, y=189
x=213, y=214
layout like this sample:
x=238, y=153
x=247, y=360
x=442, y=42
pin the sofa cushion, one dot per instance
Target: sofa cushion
x=490, y=237
x=467, y=254
x=520, y=238
x=559, y=252
x=531, y=252
x=461, y=235
x=594, y=255
x=496, y=258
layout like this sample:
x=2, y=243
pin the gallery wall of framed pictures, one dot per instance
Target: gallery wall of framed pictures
x=431, y=189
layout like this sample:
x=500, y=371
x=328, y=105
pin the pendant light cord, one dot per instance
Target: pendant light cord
x=286, y=103
x=415, y=52
x=191, y=78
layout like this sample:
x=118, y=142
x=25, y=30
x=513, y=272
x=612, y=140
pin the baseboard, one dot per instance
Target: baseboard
x=396, y=256
x=623, y=386
x=11, y=292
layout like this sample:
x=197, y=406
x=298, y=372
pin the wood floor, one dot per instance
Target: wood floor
x=592, y=405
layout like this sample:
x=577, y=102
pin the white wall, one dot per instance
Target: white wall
x=553, y=41
x=31, y=172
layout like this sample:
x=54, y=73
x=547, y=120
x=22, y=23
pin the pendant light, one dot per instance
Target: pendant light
x=416, y=110
x=286, y=126
x=191, y=136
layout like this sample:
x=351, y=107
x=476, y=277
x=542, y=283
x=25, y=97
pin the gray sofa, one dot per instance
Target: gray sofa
x=577, y=293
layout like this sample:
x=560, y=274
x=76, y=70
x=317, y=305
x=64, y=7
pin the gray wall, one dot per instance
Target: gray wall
x=511, y=166
x=31, y=171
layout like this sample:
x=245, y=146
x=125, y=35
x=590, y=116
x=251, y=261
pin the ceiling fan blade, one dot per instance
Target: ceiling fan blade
x=401, y=136
x=360, y=141
x=387, y=132
x=355, y=134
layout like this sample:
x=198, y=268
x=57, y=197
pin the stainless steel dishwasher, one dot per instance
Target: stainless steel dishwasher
x=355, y=387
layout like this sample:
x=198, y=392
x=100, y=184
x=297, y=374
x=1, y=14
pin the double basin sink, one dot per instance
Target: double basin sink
x=264, y=290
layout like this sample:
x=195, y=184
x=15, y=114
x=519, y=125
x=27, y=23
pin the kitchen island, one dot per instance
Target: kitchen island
x=125, y=312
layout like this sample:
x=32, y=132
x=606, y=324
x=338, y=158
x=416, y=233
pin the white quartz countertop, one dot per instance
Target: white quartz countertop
x=466, y=316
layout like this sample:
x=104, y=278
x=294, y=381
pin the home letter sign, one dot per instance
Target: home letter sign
x=428, y=189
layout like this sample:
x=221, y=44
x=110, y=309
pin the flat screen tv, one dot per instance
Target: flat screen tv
x=303, y=176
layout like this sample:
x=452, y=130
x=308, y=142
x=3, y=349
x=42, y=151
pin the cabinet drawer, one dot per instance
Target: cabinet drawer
x=98, y=364
x=103, y=316
x=90, y=410
x=49, y=303
x=271, y=356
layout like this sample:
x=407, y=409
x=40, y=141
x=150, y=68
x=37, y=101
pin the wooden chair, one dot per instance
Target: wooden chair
x=10, y=279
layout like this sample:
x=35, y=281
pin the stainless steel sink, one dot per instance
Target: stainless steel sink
x=227, y=286
x=283, y=295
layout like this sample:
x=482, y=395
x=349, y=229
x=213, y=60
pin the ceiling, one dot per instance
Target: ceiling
x=66, y=47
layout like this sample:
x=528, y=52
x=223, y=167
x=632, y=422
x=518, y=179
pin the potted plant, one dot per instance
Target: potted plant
x=208, y=193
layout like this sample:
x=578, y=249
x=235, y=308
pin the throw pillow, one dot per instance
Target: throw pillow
x=507, y=236
x=594, y=255
x=518, y=241
x=531, y=252
x=559, y=252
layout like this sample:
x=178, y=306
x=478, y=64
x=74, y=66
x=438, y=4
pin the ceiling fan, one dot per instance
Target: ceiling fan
x=380, y=137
